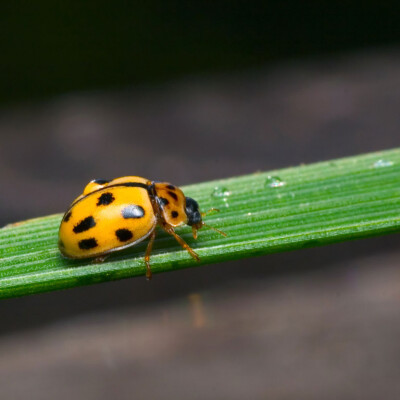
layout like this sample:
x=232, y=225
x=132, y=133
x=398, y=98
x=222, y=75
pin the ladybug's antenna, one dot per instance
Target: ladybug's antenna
x=202, y=223
x=203, y=214
x=215, y=229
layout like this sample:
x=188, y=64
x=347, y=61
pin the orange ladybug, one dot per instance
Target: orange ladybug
x=113, y=215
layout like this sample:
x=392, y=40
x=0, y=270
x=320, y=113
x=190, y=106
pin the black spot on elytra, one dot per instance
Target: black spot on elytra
x=87, y=244
x=100, y=181
x=171, y=187
x=67, y=216
x=174, y=214
x=132, y=211
x=105, y=199
x=163, y=201
x=123, y=235
x=85, y=225
x=173, y=195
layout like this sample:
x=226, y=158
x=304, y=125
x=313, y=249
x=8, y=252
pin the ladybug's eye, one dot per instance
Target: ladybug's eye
x=192, y=211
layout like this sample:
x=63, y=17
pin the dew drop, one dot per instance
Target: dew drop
x=220, y=192
x=274, y=181
x=382, y=163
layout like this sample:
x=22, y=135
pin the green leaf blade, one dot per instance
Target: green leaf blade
x=262, y=213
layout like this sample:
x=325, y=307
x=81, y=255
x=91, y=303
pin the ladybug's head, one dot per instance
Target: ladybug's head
x=194, y=217
x=193, y=213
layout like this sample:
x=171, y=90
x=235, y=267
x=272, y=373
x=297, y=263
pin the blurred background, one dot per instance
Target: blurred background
x=187, y=92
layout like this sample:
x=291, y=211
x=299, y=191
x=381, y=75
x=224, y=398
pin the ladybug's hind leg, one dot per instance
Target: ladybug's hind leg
x=169, y=229
x=100, y=259
x=147, y=255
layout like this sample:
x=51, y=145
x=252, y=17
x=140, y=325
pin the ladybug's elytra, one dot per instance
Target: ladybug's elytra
x=113, y=215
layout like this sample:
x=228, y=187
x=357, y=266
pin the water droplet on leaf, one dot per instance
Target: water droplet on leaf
x=274, y=181
x=382, y=163
x=220, y=191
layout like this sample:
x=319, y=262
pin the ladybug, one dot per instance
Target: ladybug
x=113, y=215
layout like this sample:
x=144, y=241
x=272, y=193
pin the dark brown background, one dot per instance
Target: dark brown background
x=311, y=324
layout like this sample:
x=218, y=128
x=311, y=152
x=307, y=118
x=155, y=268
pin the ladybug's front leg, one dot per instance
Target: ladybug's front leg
x=169, y=229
